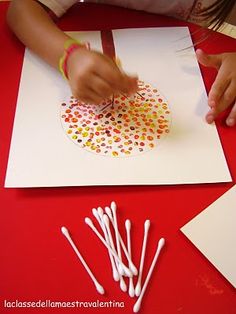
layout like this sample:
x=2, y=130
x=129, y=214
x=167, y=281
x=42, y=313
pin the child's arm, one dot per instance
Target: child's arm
x=223, y=91
x=92, y=76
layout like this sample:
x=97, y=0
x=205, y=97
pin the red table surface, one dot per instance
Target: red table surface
x=36, y=261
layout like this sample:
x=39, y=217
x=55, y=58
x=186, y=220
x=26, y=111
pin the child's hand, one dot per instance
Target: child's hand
x=94, y=77
x=223, y=90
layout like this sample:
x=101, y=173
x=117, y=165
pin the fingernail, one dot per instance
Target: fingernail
x=210, y=118
x=230, y=121
x=212, y=103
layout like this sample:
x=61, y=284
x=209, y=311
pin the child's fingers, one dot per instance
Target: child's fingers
x=225, y=101
x=213, y=61
x=117, y=80
x=211, y=115
x=230, y=93
x=86, y=95
x=231, y=120
x=218, y=88
x=101, y=87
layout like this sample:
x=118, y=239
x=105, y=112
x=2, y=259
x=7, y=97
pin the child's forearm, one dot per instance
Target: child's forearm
x=91, y=75
x=32, y=25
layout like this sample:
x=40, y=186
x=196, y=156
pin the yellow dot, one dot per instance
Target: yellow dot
x=88, y=143
x=85, y=134
x=74, y=137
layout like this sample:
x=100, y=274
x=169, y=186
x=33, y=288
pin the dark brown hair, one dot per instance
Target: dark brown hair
x=215, y=14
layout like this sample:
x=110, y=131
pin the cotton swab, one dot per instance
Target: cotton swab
x=137, y=305
x=132, y=266
x=113, y=208
x=138, y=284
x=106, y=222
x=131, y=284
x=100, y=221
x=89, y=222
x=99, y=287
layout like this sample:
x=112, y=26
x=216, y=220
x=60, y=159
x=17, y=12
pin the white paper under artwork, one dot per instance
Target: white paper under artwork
x=157, y=136
x=213, y=233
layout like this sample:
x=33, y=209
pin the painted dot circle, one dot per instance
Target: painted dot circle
x=120, y=127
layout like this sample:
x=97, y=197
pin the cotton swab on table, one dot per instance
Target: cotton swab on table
x=89, y=222
x=113, y=209
x=137, y=305
x=131, y=284
x=131, y=264
x=99, y=287
x=107, y=225
x=102, y=225
x=138, y=284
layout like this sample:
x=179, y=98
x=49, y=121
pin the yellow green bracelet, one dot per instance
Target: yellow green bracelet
x=69, y=46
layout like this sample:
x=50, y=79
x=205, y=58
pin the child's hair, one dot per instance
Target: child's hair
x=215, y=14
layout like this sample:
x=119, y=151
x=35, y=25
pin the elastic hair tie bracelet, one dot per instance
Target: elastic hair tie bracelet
x=69, y=46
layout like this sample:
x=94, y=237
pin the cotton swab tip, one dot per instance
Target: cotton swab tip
x=100, y=211
x=88, y=221
x=106, y=220
x=147, y=225
x=94, y=211
x=127, y=271
x=127, y=224
x=138, y=289
x=115, y=275
x=123, y=286
x=99, y=288
x=137, y=305
x=108, y=211
x=113, y=206
x=65, y=231
x=133, y=269
x=131, y=290
x=161, y=243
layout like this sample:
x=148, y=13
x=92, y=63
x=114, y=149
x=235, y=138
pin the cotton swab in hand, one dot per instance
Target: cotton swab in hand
x=102, y=225
x=89, y=222
x=137, y=305
x=99, y=287
x=131, y=264
x=131, y=284
x=107, y=224
x=138, y=284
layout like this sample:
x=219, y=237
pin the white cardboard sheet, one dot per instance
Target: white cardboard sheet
x=213, y=233
x=42, y=155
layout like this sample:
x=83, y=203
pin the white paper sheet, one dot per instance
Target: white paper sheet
x=213, y=233
x=42, y=155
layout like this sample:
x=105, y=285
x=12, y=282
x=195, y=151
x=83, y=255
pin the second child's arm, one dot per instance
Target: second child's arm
x=92, y=76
